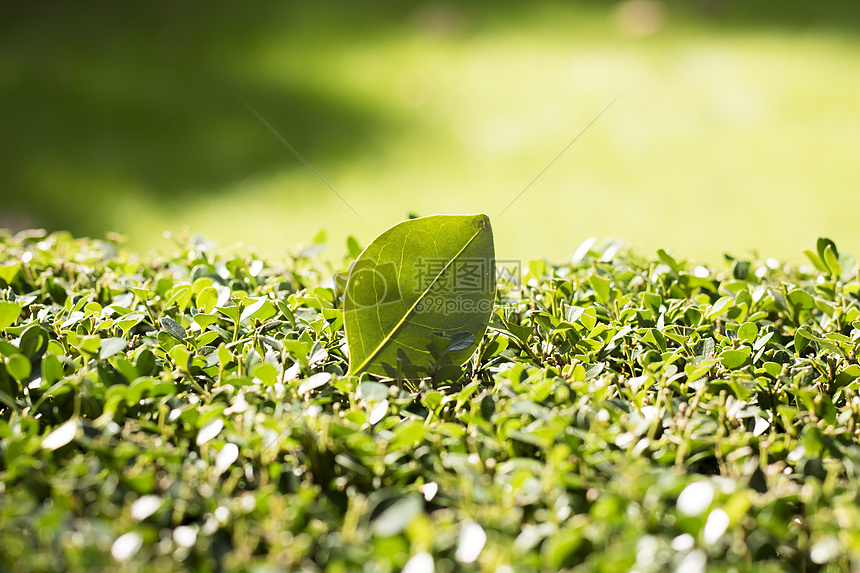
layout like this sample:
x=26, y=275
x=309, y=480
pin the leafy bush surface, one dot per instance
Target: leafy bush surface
x=191, y=413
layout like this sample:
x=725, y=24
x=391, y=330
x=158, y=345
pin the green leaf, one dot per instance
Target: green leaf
x=180, y=356
x=773, y=368
x=207, y=299
x=8, y=272
x=822, y=244
x=669, y=261
x=400, y=514
x=111, y=346
x=732, y=359
x=801, y=299
x=9, y=312
x=602, y=288
x=19, y=367
x=61, y=436
x=129, y=321
x=719, y=307
x=265, y=372
x=804, y=333
x=145, y=362
x=90, y=344
x=252, y=308
x=831, y=259
x=173, y=328
x=816, y=261
x=204, y=320
x=314, y=382
x=297, y=348
x=52, y=368
x=181, y=296
x=372, y=391
x=459, y=341
x=748, y=332
x=588, y=318
x=224, y=356
x=425, y=276
x=740, y=269
x=353, y=247
x=231, y=312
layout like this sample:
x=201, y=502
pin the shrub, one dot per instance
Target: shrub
x=191, y=412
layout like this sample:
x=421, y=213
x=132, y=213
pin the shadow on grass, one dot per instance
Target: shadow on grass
x=144, y=97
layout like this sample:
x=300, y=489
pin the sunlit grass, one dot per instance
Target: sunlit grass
x=727, y=137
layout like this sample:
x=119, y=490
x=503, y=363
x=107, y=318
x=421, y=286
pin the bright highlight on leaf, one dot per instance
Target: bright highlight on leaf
x=60, y=436
x=419, y=296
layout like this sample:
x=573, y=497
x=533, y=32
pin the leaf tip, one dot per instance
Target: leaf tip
x=482, y=221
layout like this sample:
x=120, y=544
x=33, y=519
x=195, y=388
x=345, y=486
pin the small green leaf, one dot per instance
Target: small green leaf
x=52, y=368
x=314, y=382
x=831, y=259
x=173, y=328
x=181, y=296
x=705, y=347
x=9, y=313
x=207, y=299
x=252, y=308
x=141, y=293
x=224, y=356
x=588, y=318
x=816, y=261
x=733, y=359
x=773, y=368
x=801, y=299
x=398, y=516
x=656, y=337
x=822, y=244
x=459, y=341
x=111, y=346
x=602, y=288
x=19, y=367
x=669, y=261
x=266, y=373
x=353, y=247
x=181, y=357
x=61, y=436
x=203, y=320
x=804, y=333
x=719, y=307
x=800, y=341
x=740, y=269
x=90, y=344
x=748, y=332
x=231, y=312
x=8, y=272
x=145, y=362
x=299, y=349
x=853, y=371
x=129, y=321
x=372, y=391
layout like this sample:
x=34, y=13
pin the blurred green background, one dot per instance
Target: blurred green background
x=739, y=127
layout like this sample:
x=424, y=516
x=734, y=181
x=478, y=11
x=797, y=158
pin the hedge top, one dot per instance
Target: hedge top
x=191, y=412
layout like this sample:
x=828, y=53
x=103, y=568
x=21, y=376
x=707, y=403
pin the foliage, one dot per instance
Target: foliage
x=191, y=412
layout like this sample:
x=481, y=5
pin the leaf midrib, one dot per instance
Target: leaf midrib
x=408, y=313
